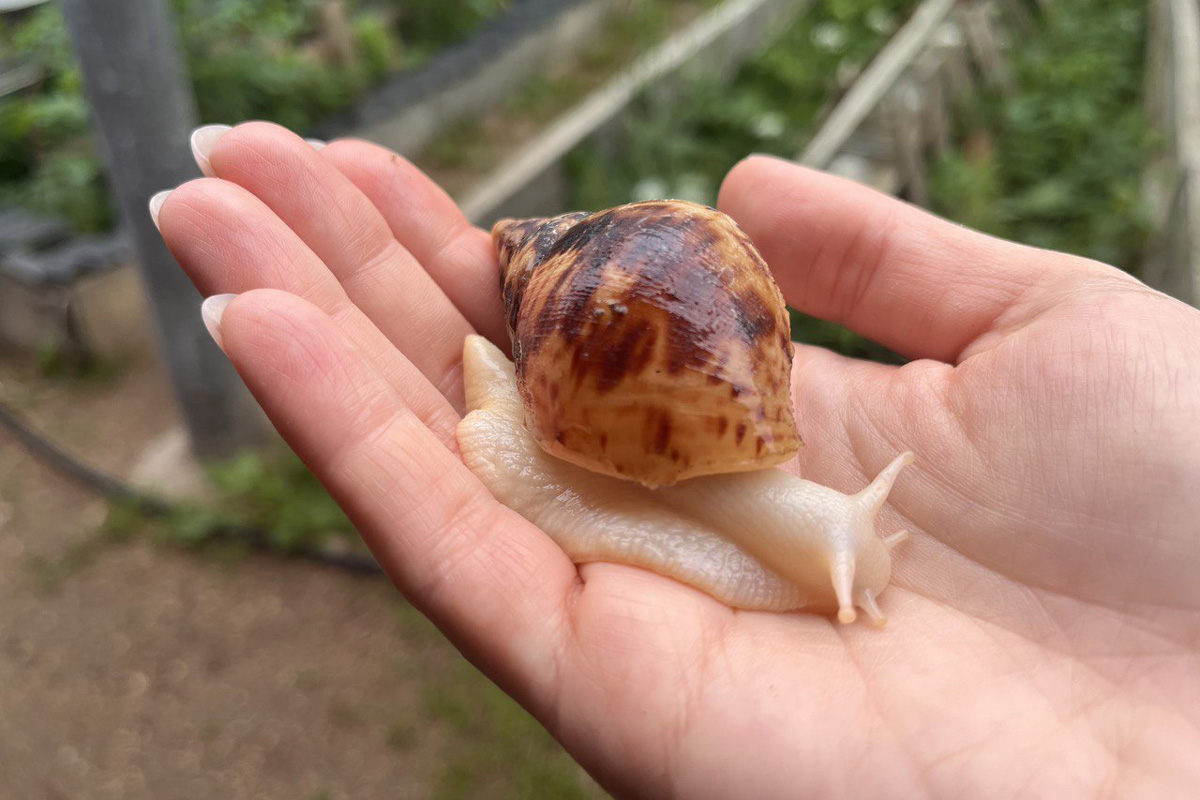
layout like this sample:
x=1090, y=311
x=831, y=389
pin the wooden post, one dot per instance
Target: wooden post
x=143, y=112
x=1171, y=184
x=902, y=109
x=338, y=35
x=949, y=42
x=981, y=38
x=929, y=73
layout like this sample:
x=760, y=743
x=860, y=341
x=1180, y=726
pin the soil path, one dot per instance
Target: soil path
x=133, y=670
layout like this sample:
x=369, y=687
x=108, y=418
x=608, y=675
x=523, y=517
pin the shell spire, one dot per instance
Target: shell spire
x=650, y=341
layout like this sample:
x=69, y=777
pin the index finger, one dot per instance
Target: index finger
x=429, y=224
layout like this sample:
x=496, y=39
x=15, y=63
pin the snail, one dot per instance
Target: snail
x=647, y=409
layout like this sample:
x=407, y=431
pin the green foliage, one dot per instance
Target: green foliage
x=68, y=183
x=248, y=59
x=273, y=493
x=269, y=494
x=380, y=53
x=1059, y=164
x=429, y=25
x=57, y=360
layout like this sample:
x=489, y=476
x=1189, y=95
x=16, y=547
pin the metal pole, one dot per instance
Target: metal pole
x=142, y=112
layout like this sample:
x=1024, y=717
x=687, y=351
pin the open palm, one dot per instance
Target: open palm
x=1045, y=634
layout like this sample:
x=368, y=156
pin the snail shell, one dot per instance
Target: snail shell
x=650, y=340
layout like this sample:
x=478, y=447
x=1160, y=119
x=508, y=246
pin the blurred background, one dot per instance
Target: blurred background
x=183, y=611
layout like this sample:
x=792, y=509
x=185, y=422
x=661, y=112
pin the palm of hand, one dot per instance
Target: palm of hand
x=1030, y=621
x=1045, y=636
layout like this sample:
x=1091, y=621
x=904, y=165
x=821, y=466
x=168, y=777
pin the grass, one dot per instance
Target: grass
x=490, y=746
x=269, y=495
x=494, y=747
x=498, y=750
x=56, y=361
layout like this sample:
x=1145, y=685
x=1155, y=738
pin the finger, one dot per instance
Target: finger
x=902, y=277
x=228, y=241
x=428, y=223
x=347, y=233
x=492, y=581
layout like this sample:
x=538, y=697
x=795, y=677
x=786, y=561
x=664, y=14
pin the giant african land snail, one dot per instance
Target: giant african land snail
x=649, y=405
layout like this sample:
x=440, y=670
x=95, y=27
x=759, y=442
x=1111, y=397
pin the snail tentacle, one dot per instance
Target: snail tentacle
x=877, y=492
x=843, y=587
x=868, y=604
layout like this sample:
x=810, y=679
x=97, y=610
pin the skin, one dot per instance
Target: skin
x=1045, y=617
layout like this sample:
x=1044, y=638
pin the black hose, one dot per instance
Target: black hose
x=117, y=491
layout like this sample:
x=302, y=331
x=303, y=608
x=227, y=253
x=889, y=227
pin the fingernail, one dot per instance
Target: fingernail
x=316, y=144
x=211, y=311
x=156, y=204
x=204, y=139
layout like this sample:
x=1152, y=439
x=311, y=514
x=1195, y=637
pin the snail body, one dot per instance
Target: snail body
x=648, y=404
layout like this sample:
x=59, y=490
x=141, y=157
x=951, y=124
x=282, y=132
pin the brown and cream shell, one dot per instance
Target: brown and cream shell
x=650, y=341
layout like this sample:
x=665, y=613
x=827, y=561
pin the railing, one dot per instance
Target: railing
x=879, y=133
x=721, y=39
x=467, y=79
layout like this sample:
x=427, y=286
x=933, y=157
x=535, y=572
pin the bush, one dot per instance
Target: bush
x=1059, y=164
x=248, y=59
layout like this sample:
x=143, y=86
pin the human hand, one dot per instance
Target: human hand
x=1045, y=617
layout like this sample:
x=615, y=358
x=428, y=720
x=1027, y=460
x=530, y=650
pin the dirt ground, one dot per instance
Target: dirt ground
x=131, y=669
